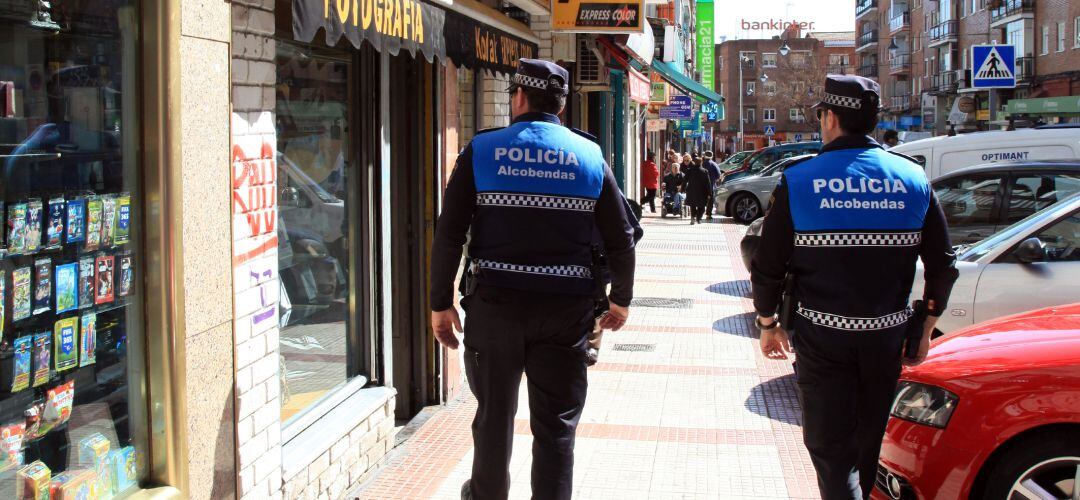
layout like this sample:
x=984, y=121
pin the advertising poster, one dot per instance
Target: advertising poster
x=706, y=48
x=67, y=352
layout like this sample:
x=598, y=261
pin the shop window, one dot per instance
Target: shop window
x=317, y=192
x=71, y=303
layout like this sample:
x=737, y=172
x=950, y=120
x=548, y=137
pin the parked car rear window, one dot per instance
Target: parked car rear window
x=968, y=200
x=1031, y=193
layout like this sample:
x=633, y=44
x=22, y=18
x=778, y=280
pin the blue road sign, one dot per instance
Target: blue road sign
x=680, y=107
x=770, y=130
x=994, y=66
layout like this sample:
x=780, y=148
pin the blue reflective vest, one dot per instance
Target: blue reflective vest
x=537, y=184
x=858, y=215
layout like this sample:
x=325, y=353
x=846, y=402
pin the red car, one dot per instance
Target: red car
x=993, y=413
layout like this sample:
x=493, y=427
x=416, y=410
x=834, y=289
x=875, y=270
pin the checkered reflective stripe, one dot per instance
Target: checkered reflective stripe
x=535, y=201
x=855, y=324
x=554, y=271
x=908, y=239
x=842, y=101
x=530, y=81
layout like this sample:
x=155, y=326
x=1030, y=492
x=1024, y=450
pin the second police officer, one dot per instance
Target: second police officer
x=529, y=197
x=848, y=226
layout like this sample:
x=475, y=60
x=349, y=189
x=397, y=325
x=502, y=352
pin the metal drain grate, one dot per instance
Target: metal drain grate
x=634, y=347
x=662, y=302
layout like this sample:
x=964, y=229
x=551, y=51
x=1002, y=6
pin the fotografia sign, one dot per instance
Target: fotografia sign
x=389, y=25
x=598, y=16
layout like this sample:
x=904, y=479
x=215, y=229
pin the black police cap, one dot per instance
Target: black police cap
x=541, y=75
x=852, y=93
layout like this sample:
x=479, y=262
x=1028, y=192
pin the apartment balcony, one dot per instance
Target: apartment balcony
x=945, y=82
x=944, y=32
x=868, y=70
x=840, y=69
x=1025, y=70
x=900, y=64
x=867, y=41
x=864, y=7
x=901, y=103
x=1008, y=11
x=900, y=23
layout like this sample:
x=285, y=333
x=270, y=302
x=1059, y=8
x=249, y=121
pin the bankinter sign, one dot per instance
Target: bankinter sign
x=387, y=24
x=597, y=16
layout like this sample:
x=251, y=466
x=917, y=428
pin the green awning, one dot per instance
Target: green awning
x=685, y=83
x=1044, y=106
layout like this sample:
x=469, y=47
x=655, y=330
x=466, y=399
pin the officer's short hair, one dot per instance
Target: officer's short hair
x=858, y=121
x=543, y=101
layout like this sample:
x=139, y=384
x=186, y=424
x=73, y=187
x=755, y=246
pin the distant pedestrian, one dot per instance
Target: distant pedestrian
x=650, y=180
x=714, y=177
x=698, y=189
x=891, y=139
x=673, y=187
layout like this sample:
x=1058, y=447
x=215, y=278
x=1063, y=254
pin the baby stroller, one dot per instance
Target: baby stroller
x=672, y=205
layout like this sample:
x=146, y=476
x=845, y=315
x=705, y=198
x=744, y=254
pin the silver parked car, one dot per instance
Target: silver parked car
x=747, y=198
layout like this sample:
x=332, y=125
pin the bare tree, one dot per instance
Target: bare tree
x=799, y=77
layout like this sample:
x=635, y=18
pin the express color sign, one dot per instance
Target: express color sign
x=598, y=16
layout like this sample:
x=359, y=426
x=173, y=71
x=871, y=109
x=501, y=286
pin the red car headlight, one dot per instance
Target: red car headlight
x=924, y=404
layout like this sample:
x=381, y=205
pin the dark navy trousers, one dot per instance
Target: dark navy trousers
x=544, y=336
x=847, y=381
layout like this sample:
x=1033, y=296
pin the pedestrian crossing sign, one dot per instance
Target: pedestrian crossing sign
x=770, y=130
x=993, y=66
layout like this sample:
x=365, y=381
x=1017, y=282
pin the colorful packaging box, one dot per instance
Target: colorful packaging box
x=108, y=221
x=42, y=357
x=123, y=219
x=24, y=349
x=11, y=444
x=43, y=285
x=86, y=282
x=16, y=223
x=67, y=287
x=34, y=220
x=66, y=344
x=93, y=223
x=74, y=485
x=54, y=230
x=94, y=454
x=125, y=463
x=3, y=301
x=76, y=220
x=21, y=296
x=33, y=482
x=88, y=339
x=104, y=279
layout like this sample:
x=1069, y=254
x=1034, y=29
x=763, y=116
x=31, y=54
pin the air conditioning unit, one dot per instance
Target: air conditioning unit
x=592, y=74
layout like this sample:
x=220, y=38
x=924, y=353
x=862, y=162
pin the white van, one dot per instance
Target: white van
x=941, y=155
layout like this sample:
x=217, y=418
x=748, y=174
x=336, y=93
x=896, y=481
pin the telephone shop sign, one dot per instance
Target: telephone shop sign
x=680, y=107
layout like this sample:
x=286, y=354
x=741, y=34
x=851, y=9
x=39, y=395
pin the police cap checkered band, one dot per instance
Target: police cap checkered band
x=842, y=101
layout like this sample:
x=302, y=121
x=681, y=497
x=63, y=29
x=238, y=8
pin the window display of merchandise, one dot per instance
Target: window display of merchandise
x=70, y=309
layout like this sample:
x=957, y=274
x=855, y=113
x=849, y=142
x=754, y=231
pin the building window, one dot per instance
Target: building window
x=800, y=58
x=769, y=88
x=749, y=58
x=1076, y=33
x=1045, y=40
x=768, y=60
x=799, y=87
x=751, y=113
x=719, y=62
x=71, y=300
x=750, y=88
x=1061, y=37
x=768, y=115
x=796, y=115
x=319, y=194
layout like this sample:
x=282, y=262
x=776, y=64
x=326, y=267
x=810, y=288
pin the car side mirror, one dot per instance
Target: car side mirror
x=1030, y=251
x=290, y=197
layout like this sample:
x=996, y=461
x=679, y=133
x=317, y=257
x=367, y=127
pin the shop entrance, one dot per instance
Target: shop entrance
x=413, y=164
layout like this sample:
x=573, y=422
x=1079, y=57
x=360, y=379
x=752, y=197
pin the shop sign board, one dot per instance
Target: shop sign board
x=655, y=125
x=388, y=25
x=995, y=66
x=598, y=16
x=658, y=93
x=639, y=86
x=473, y=44
x=692, y=124
x=680, y=107
x=706, y=48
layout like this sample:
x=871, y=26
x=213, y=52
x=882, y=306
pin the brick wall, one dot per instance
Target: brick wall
x=496, y=100
x=342, y=467
x=1050, y=13
x=255, y=279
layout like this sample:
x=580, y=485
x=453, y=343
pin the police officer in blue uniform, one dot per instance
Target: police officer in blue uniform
x=529, y=196
x=848, y=227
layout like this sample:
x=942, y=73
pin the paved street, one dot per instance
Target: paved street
x=681, y=405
